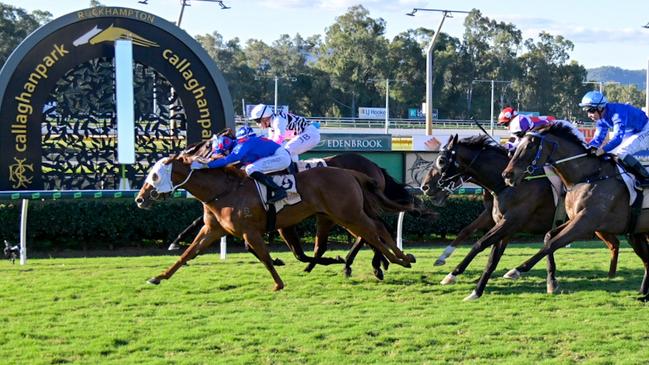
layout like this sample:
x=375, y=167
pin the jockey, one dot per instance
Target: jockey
x=297, y=134
x=519, y=124
x=630, y=132
x=222, y=145
x=259, y=155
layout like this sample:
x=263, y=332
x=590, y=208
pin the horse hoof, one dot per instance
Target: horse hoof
x=308, y=268
x=512, y=274
x=278, y=287
x=448, y=279
x=411, y=258
x=552, y=287
x=643, y=299
x=439, y=262
x=154, y=281
x=471, y=297
x=278, y=262
x=348, y=271
x=173, y=247
x=340, y=260
x=378, y=274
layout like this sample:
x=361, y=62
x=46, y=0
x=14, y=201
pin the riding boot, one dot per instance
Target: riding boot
x=278, y=193
x=635, y=167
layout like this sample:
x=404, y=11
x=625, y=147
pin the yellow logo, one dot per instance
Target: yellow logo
x=17, y=173
x=97, y=35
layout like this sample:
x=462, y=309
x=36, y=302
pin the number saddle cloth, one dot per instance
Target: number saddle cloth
x=287, y=182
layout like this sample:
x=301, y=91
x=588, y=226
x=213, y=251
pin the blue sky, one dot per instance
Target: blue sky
x=605, y=33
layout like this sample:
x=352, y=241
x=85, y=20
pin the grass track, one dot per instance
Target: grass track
x=101, y=311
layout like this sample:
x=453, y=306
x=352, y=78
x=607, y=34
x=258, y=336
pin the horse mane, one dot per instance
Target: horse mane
x=564, y=130
x=483, y=141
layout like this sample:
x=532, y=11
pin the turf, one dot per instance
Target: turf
x=101, y=311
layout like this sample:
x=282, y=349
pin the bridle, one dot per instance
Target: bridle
x=164, y=186
x=535, y=165
x=453, y=182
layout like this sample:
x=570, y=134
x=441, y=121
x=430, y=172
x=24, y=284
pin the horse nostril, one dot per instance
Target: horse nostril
x=425, y=188
x=139, y=200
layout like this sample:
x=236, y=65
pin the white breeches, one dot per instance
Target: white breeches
x=633, y=144
x=304, y=141
x=275, y=162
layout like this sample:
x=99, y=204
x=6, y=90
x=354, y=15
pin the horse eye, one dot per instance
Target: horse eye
x=441, y=162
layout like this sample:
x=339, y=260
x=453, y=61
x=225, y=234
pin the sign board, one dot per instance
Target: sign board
x=354, y=142
x=414, y=113
x=281, y=108
x=435, y=111
x=371, y=113
x=533, y=114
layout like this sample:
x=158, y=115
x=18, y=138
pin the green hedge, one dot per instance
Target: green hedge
x=113, y=224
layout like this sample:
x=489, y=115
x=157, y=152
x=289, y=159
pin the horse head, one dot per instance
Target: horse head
x=163, y=179
x=549, y=145
x=442, y=179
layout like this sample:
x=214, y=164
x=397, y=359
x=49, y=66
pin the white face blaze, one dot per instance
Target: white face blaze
x=160, y=177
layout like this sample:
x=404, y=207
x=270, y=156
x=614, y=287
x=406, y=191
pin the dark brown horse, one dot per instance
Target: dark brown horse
x=597, y=199
x=482, y=160
x=351, y=199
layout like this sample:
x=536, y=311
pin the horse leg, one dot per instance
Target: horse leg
x=195, y=224
x=290, y=236
x=578, y=227
x=351, y=256
x=377, y=261
x=495, y=234
x=206, y=236
x=613, y=244
x=257, y=244
x=496, y=253
x=484, y=221
x=640, y=247
x=324, y=226
x=551, y=282
x=276, y=262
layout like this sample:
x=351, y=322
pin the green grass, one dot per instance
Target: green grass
x=101, y=311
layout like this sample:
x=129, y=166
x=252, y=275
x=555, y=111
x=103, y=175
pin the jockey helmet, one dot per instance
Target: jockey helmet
x=593, y=100
x=506, y=115
x=224, y=145
x=245, y=132
x=260, y=111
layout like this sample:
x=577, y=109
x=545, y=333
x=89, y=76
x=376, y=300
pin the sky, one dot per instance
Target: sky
x=604, y=33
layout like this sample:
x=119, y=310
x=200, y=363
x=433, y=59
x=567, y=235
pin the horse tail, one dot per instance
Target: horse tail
x=396, y=191
x=375, y=201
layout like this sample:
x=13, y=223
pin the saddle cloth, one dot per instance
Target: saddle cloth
x=304, y=165
x=287, y=182
x=629, y=181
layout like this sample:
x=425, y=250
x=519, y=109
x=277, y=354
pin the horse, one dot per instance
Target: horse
x=438, y=191
x=482, y=160
x=350, y=198
x=597, y=198
x=392, y=189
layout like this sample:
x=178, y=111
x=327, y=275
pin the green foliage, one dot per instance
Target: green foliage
x=15, y=25
x=101, y=311
x=111, y=224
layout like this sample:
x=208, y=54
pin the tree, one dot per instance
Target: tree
x=15, y=25
x=353, y=52
x=628, y=94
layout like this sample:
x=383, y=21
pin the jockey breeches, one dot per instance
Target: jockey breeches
x=275, y=162
x=634, y=143
x=304, y=141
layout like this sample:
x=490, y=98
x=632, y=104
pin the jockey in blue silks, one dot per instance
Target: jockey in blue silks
x=630, y=131
x=259, y=155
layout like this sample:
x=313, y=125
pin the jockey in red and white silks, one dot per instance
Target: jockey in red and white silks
x=297, y=134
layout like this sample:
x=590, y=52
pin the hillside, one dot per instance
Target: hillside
x=610, y=73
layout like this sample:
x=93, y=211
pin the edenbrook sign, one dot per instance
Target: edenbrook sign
x=30, y=75
x=354, y=142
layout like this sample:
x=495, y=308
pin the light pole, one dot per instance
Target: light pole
x=184, y=3
x=429, y=63
x=493, y=83
x=276, y=80
x=387, y=100
x=601, y=84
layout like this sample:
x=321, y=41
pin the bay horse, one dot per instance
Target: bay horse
x=482, y=160
x=597, y=198
x=350, y=198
